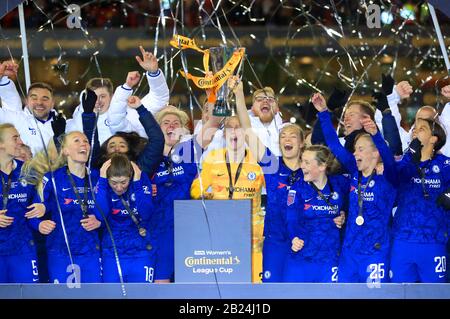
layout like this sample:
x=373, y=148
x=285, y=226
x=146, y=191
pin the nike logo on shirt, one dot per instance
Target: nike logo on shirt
x=66, y=189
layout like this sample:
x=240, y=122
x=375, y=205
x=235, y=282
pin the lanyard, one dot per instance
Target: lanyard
x=293, y=178
x=169, y=164
x=322, y=196
x=82, y=203
x=6, y=188
x=421, y=171
x=361, y=191
x=142, y=231
x=236, y=177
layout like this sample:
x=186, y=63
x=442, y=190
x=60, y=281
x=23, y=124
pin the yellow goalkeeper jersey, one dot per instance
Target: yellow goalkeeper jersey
x=215, y=184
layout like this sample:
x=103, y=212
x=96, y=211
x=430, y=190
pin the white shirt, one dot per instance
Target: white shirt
x=119, y=116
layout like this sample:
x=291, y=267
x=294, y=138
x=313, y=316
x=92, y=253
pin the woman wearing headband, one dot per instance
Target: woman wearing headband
x=21, y=208
x=365, y=250
x=124, y=195
x=73, y=245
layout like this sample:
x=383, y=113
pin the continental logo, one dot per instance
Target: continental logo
x=206, y=82
x=205, y=261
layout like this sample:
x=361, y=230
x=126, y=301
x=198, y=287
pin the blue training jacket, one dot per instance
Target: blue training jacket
x=419, y=219
x=378, y=198
x=17, y=238
x=277, y=187
x=310, y=218
x=81, y=242
x=125, y=232
x=173, y=180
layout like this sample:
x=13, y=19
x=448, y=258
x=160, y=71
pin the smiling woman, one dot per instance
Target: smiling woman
x=234, y=173
x=365, y=250
x=71, y=212
x=123, y=194
x=17, y=248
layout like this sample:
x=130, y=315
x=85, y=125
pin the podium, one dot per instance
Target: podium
x=213, y=241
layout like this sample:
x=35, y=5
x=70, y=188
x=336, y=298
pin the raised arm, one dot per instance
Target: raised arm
x=254, y=143
x=152, y=155
x=8, y=92
x=158, y=95
x=346, y=159
x=117, y=112
x=385, y=153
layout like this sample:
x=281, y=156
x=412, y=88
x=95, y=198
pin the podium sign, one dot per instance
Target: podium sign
x=213, y=243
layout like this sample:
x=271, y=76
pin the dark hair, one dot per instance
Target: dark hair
x=40, y=85
x=96, y=83
x=136, y=144
x=438, y=131
x=120, y=166
x=324, y=156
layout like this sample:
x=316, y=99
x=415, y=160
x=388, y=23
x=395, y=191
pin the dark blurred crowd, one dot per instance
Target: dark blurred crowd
x=145, y=13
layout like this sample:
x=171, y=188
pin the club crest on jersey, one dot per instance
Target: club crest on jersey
x=23, y=182
x=251, y=176
x=107, y=122
x=372, y=183
x=334, y=195
x=435, y=169
x=176, y=158
x=291, y=197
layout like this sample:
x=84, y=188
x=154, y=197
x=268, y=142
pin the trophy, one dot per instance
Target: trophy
x=223, y=62
x=219, y=56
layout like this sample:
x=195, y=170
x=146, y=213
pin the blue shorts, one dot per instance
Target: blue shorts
x=358, y=268
x=274, y=257
x=301, y=270
x=19, y=269
x=165, y=256
x=85, y=269
x=414, y=262
x=134, y=269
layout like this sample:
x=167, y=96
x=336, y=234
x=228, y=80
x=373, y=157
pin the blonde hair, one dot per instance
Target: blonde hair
x=4, y=127
x=228, y=120
x=170, y=109
x=267, y=90
x=34, y=170
x=297, y=130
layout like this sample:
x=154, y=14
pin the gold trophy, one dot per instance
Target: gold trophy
x=223, y=61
